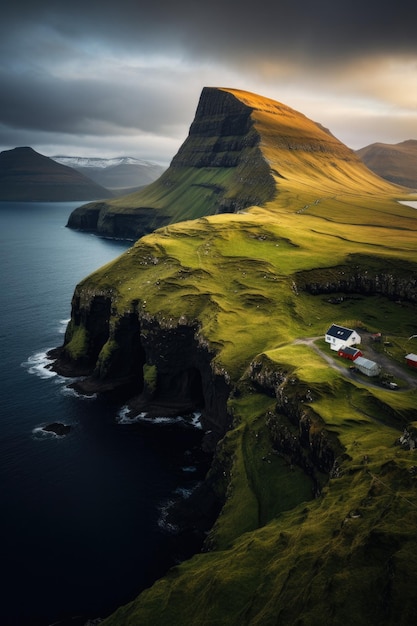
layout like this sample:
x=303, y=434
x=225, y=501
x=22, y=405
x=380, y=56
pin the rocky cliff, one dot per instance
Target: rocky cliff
x=119, y=354
x=361, y=275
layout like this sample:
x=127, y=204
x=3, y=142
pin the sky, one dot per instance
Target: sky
x=123, y=78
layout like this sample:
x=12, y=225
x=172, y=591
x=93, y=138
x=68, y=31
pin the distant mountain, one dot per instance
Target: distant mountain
x=27, y=176
x=119, y=174
x=394, y=162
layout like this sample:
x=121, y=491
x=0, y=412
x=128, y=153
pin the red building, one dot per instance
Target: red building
x=411, y=360
x=349, y=353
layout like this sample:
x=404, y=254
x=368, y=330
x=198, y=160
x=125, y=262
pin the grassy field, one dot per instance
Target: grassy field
x=275, y=550
x=281, y=551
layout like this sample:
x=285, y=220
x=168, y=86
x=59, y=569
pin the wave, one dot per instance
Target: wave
x=184, y=492
x=180, y=493
x=40, y=365
x=125, y=416
x=163, y=519
x=63, y=326
x=73, y=393
x=40, y=433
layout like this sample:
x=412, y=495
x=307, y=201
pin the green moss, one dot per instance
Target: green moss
x=77, y=346
x=150, y=375
x=104, y=360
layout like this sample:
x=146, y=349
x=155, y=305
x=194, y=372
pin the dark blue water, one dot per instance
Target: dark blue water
x=80, y=516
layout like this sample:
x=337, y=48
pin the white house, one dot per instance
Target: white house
x=340, y=337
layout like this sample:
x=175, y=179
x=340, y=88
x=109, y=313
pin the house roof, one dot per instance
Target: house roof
x=349, y=350
x=340, y=332
x=411, y=357
x=366, y=363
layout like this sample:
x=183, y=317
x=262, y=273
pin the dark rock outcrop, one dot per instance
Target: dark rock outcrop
x=112, y=360
x=396, y=281
x=296, y=431
x=57, y=428
x=97, y=218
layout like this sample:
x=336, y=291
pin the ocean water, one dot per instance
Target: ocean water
x=82, y=516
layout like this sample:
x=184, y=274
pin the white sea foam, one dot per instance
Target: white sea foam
x=125, y=416
x=162, y=421
x=195, y=421
x=73, y=393
x=40, y=365
x=40, y=433
x=184, y=492
x=163, y=522
x=63, y=326
x=189, y=469
x=180, y=493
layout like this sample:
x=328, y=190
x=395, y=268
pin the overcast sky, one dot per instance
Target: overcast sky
x=124, y=77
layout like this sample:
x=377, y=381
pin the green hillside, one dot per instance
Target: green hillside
x=316, y=479
x=241, y=151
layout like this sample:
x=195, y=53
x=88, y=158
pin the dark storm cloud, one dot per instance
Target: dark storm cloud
x=94, y=68
x=325, y=28
x=38, y=100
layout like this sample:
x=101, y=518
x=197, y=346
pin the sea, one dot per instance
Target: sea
x=83, y=516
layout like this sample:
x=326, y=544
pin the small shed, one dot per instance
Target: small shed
x=411, y=360
x=339, y=337
x=349, y=353
x=367, y=367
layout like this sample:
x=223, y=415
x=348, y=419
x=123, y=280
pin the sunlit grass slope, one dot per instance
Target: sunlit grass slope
x=289, y=547
x=242, y=150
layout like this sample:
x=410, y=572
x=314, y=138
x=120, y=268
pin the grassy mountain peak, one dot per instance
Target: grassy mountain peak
x=242, y=150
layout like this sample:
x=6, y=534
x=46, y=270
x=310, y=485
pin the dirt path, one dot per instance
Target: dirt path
x=387, y=364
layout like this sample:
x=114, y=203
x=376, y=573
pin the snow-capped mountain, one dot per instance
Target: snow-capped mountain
x=98, y=162
x=121, y=174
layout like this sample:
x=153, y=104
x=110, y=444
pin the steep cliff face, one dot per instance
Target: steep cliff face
x=296, y=431
x=218, y=169
x=395, y=281
x=114, y=352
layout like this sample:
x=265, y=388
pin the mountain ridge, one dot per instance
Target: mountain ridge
x=28, y=176
x=396, y=163
x=122, y=175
